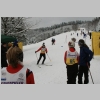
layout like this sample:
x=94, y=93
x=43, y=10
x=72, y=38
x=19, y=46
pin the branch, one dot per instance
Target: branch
x=28, y=28
x=16, y=25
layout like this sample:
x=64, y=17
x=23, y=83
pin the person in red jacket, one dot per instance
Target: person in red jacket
x=71, y=60
x=42, y=53
x=16, y=73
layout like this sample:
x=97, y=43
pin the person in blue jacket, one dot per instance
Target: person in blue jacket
x=85, y=57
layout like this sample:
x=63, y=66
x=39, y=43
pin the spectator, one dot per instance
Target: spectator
x=85, y=57
x=16, y=73
x=3, y=55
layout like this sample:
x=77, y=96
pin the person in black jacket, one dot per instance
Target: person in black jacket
x=85, y=57
x=53, y=41
x=3, y=55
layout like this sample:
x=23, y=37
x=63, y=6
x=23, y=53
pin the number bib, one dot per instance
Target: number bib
x=43, y=50
x=71, y=61
x=71, y=58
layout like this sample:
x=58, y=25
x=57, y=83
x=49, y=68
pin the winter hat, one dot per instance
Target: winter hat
x=70, y=44
x=15, y=43
x=43, y=44
x=74, y=39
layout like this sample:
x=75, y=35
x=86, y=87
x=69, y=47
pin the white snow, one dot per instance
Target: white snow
x=56, y=74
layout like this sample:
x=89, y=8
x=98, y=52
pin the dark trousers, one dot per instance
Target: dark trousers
x=53, y=43
x=44, y=57
x=72, y=71
x=83, y=70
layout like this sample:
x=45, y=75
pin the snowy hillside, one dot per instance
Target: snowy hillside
x=56, y=74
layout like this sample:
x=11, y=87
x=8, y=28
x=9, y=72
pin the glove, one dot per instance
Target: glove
x=35, y=51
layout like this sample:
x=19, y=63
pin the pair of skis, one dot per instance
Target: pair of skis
x=44, y=64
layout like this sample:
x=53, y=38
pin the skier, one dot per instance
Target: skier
x=85, y=57
x=16, y=73
x=42, y=53
x=53, y=41
x=71, y=60
x=3, y=55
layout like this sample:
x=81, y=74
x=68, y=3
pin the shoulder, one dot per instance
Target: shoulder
x=28, y=72
x=87, y=50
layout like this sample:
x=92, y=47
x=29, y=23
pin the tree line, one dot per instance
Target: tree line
x=18, y=27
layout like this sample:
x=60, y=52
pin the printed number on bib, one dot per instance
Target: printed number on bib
x=72, y=61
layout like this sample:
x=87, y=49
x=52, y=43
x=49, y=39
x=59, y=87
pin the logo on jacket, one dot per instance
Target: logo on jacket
x=21, y=75
x=72, y=55
x=3, y=79
x=20, y=80
x=3, y=73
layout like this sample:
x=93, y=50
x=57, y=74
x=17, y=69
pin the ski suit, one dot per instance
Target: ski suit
x=42, y=53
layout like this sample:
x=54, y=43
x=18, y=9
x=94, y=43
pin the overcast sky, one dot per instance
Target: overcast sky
x=48, y=21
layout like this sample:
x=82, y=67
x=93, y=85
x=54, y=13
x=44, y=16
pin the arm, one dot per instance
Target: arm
x=39, y=49
x=88, y=51
x=29, y=77
x=65, y=57
x=46, y=50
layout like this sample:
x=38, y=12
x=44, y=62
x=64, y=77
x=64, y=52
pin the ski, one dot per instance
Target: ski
x=38, y=66
x=47, y=65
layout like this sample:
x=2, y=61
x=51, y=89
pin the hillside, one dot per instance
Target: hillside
x=37, y=36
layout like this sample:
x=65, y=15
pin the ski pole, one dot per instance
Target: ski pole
x=48, y=57
x=91, y=76
x=36, y=56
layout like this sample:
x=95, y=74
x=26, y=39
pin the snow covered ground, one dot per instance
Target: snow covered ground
x=56, y=74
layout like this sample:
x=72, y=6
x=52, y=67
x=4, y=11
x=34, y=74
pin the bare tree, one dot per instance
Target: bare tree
x=12, y=24
x=88, y=25
x=16, y=26
x=95, y=22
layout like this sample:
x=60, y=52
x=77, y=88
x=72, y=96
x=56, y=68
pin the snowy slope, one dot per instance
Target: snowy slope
x=56, y=74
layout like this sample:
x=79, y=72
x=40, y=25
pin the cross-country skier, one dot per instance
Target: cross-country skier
x=42, y=53
x=71, y=61
x=53, y=41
